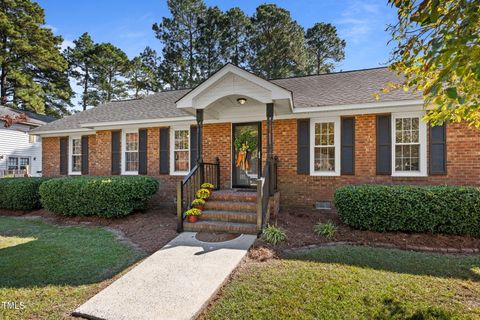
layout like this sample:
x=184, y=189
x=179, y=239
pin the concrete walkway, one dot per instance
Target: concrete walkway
x=175, y=282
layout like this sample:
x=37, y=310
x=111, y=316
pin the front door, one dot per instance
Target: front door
x=247, y=155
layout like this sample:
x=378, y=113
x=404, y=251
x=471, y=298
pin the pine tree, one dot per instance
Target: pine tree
x=324, y=47
x=81, y=63
x=235, y=41
x=179, y=36
x=152, y=61
x=141, y=78
x=209, y=44
x=277, y=43
x=110, y=68
x=32, y=66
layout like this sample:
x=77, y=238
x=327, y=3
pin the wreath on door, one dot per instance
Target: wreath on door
x=244, y=144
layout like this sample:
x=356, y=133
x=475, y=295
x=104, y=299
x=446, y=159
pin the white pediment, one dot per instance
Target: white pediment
x=233, y=81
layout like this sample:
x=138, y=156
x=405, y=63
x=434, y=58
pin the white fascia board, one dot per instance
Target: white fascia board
x=355, y=106
x=136, y=122
x=64, y=132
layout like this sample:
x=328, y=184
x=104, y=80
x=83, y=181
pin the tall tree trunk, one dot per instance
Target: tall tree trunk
x=3, y=75
x=190, y=58
x=85, y=89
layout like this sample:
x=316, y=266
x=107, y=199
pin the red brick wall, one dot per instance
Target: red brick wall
x=463, y=160
x=51, y=156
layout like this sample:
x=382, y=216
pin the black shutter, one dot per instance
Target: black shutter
x=438, y=150
x=164, y=152
x=116, y=153
x=193, y=147
x=64, y=155
x=303, y=146
x=142, y=151
x=347, y=158
x=84, y=155
x=384, y=145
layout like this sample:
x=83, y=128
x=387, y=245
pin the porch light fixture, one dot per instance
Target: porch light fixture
x=241, y=101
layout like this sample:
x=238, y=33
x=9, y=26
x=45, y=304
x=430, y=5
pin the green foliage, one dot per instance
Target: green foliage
x=101, y=196
x=203, y=194
x=245, y=141
x=438, y=50
x=198, y=202
x=193, y=212
x=327, y=230
x=20, y=193
x=277, y=42
x=207, y=185
x=274, y=235
x=324, y=47
x=32, y=67
x=436, y=209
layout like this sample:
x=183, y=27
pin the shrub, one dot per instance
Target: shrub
x=274, y=235
x=20, y=193
x=101, y=196
x=327, y=230
x=436, y=209
x=207, y=185
x=203, y=194
x=193, y=212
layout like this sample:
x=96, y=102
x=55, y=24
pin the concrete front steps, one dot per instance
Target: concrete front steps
x=230, y=211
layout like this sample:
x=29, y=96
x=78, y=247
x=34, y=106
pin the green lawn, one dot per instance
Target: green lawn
x=351, y=282
x=51, y=269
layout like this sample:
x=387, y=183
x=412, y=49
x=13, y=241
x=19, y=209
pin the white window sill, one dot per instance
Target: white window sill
x=325, y=174
x=130, y=173
x=179, y=173
x=409, y=174
x=76, y=173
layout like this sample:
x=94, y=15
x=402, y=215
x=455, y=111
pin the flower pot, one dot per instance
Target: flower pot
x=192, y=219
x=199, y=207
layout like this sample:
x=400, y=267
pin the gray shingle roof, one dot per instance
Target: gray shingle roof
x=338, y=88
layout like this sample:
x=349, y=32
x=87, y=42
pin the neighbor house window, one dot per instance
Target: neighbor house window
x=76, y=155
x=409, y=145
x=181, y=151
x=325, y=150
x=18, y=163
x=131, y=151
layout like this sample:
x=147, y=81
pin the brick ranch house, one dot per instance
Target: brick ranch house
x=324, y=131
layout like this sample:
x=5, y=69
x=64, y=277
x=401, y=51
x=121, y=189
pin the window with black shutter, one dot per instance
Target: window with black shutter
x=384, y=145
x=303, y=146
x=164, y=150
x=347, y=156
x=438, y=150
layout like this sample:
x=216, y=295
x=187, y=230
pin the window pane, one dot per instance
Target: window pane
x=324, y=159
x=76, y=163
x=12, y=163
x=131, y=141
x=76, y=146
x=131, y=161
x=181, y=161
x=181, y=139
x=24, y=163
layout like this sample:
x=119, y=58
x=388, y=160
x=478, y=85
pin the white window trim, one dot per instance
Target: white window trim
x=336, y=131
x=124, y=149
x=172, y=149
x=70, y=154
x=422, y=139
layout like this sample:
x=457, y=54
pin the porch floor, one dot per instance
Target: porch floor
x=176, y=282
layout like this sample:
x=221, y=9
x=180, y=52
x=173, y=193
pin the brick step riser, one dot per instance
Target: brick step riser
x=221, y=206
x=246, y=218
x=213, y=228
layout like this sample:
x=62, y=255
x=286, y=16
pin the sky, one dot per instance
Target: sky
x=128, y=24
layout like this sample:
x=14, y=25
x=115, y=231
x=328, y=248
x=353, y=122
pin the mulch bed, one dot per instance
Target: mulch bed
x=298, y=224
x=150, y=230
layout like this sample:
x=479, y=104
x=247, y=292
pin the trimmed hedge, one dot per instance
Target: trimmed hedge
x=101, y=196
x=435, y=209
x=20, y=193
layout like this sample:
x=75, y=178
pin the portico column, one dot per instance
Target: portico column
x=199, y=135
x=269, y=131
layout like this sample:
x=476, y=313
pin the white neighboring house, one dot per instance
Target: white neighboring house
x=20, y=152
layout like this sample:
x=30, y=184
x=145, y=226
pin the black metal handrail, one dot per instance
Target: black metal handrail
x=187, y=188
